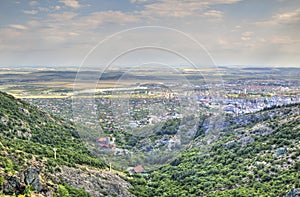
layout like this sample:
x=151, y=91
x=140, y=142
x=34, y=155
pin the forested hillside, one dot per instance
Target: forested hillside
x=38, y=152
x=259, y=158
x=251, y=155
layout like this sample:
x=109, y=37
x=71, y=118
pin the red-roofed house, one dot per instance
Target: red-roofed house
x=138, y=169
x=105, y=143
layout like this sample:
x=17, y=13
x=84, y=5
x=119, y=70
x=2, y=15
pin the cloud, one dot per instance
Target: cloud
x=173, y=8
x=138, y=1
x=71, y=3
x=245, y=38
x=246, y=35
x=62, y=29
x=33, y=3
x=42, y=9
x=32, y=12
x=18, y=27
x=291, y=17
x=180, y=9
x=283, y=40
x=288, y=17
x=212, y=2
x=214, y=14
x=96, y=19
x=215, y=2
x=63, y=17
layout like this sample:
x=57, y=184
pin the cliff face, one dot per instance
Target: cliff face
x=28, y=139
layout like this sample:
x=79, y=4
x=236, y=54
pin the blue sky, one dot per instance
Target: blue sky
x=235, y=32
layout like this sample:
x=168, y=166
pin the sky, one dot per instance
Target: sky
x=228, y=32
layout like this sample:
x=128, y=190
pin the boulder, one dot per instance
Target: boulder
x=31, y=177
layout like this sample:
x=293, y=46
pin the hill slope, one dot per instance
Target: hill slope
x=29, y=139
x=259, y=158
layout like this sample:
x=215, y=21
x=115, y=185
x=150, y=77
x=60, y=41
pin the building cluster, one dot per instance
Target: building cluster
x=146, y=108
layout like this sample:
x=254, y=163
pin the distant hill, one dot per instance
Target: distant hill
x=254, y=155
x=42, y=154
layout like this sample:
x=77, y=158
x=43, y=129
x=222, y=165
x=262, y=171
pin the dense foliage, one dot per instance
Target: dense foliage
x=254, y=155
x=261, y=159
x=37, y=132
x=29, y=137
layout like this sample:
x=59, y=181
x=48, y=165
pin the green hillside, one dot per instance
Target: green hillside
x=29, y=139
x=260, y=158
x=37, y=132
x=251, y=155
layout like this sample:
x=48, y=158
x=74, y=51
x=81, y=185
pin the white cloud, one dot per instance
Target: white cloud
x=214, y=14
x=215, y=2
x=71, y=3
x=64, y=16
x=138, y=1
x=73, y=34
x=96, y=19
x=32, y=12
x=288, y=17
x=291, y=17
x=173, y=8
x=33, y=3
x=180, y=9
x=245, y=38
x=58, y=32
x=247, y=33
x=18, y=27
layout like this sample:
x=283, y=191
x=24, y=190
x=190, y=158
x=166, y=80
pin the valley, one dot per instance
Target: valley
x=138, y=134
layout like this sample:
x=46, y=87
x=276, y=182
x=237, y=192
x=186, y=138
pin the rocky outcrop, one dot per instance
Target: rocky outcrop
x=12, y=185
x=97, y=183
x=16, y=184
x=31, y=177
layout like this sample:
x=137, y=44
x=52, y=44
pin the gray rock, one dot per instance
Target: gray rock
x=12, y=185
x=293, y=193
x=31, y=177
x=97, y=183
x=280, y=151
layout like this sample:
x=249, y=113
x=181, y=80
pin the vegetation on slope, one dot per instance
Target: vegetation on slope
x=29, y=139
x=261, y=159
x=37, y=132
